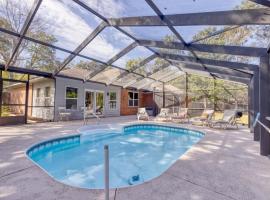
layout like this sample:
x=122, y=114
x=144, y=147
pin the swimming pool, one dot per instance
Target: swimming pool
x=138, y=153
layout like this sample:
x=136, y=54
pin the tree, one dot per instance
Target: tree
x=29, y=55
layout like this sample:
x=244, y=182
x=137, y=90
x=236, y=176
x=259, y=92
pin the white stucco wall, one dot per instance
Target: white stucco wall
x=46, y=113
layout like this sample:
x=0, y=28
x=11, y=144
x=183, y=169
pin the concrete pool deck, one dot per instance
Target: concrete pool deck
x=225, y=164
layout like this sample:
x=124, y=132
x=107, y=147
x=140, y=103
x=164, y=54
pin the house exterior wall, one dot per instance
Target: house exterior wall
x=43, y=107
x=145, y=100
x=125, y=109
x=17, y=95
x=60, y=98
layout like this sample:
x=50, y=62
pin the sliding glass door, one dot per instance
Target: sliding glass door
x=99, y=103
x=89, y=100
x=94, y=102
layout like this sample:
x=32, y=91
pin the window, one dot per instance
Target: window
x=38, y=92
x=133, y=99
x=47, y=91
x=112, y=100
x=71, y=98
x=47, y=100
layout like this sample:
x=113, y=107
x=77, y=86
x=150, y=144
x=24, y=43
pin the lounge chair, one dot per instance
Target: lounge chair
x=142, y=114
x=181, y=116
x=163, y=115
x=228, y=120
x=204, y=119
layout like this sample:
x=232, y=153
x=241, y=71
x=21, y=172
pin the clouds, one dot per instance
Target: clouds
x=72, y=24
x=137, y=52
x=107, y=44
x=68, y=27
x=178, y=6
x=108, y=8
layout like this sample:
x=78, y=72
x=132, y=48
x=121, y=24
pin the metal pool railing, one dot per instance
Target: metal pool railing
x=258, y=121
x=86, y=114
x=106, y=171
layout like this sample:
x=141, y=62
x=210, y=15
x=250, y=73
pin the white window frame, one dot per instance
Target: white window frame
x=71, y=98
x=133, y=100
x=38, y=92
x=45, y=90
x=109, y=100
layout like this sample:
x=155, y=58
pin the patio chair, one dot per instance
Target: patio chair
x=204, y=119
x=99, y=110
x=142, y=114
x=163, y=115
x=228, y=120
x=63, y=113
x=181, y=116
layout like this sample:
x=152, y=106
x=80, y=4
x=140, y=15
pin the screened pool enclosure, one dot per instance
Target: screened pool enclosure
x=150, y=45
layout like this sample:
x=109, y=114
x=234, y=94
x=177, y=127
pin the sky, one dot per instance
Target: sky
x=71, y=24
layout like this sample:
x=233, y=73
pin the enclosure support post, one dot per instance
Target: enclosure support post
x=186, y=90
x=106, y=171
x=26, y=99
x=163, y=100
x=155, y=107
x=214, y=88
x=1, y=92
x=55, y=110
x=264, y=103
x=251, y=104
x=254, y=104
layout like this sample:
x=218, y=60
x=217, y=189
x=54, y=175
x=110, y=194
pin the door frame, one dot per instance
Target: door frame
x=95, y=96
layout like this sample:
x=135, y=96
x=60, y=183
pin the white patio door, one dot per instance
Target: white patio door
x=99, y=103
x=94, y=101
x=90, y=101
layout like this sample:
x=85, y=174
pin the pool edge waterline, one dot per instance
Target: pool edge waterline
x=96, y=131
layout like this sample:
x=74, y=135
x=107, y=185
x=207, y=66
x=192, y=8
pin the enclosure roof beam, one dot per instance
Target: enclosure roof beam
x=122, y=53
x=165, y=65
x=26, y=71
x=113, y=59
x=82, y=4
x=165, y=20
x=145, y=84
x=221, y=74
x=220, y=63
x=214, y=69
x=171, y=27
x=142, y=63
x=222, y=49
x=233, y=78
x=215, y=34
x=91, y=37
x=24, y=29
x=58, y=48
x=262, y=2
x=234, y=17
x=162, y=77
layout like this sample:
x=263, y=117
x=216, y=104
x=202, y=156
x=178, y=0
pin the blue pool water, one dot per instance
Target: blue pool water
x=137, y=154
